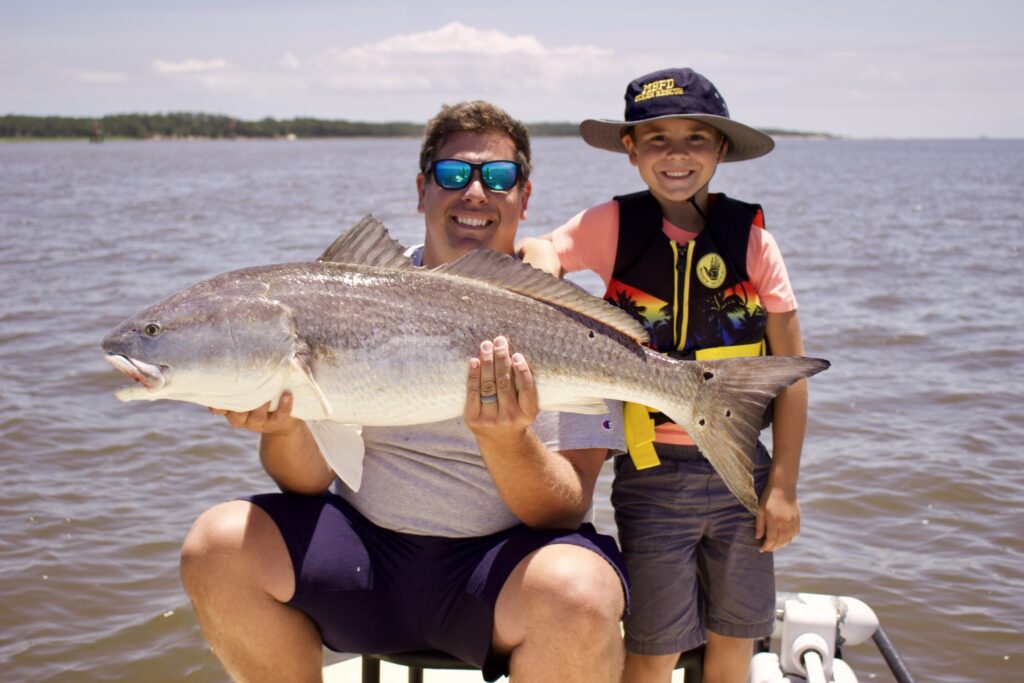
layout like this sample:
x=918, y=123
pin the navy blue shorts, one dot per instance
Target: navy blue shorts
x=370, y=590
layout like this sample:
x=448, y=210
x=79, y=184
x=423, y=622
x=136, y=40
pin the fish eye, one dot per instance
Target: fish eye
x=152, y=329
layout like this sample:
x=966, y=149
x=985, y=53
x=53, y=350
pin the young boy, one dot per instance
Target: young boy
x=707, y=281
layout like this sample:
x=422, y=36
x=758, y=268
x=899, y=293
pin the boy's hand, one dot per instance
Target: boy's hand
x=540, y=253
x=778, y=519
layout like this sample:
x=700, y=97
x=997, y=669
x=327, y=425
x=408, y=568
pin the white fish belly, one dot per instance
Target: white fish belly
x=405, y=380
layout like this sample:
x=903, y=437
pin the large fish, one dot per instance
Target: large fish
x=363, y=337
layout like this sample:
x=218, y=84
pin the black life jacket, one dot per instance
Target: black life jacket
x=695, y=299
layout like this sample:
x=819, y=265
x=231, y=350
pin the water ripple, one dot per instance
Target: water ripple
x=911, y=480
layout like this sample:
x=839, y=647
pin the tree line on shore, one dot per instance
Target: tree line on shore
x=193, y=125
x=199, y=125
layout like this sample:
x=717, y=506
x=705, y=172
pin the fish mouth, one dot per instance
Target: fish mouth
x=149, y=376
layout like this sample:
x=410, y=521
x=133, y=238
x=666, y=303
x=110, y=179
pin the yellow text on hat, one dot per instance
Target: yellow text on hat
x=666, y=86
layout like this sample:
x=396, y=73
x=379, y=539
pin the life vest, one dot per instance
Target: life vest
x=695, y=300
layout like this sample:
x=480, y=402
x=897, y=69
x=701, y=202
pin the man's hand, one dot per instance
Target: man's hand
x=501, y=396
x=262, y=420
x=778, y=519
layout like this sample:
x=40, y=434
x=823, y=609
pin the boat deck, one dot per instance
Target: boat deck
x=350, y=671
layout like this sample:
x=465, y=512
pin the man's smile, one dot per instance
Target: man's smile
x=471, y=221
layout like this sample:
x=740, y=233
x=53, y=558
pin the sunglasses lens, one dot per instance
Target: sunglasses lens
x=451, y=174
x=499, y=175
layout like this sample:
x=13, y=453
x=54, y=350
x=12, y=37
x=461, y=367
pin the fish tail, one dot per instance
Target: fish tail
x=726, y=415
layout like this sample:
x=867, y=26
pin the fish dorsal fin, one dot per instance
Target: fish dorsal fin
x=367, y=243
x=502, y=270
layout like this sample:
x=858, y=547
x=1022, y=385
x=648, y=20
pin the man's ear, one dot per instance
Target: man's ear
x=421, y=189
x=524, y=198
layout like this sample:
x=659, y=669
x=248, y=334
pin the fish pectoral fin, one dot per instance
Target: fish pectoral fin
x=586, y=406
x=300, y=366
x=342, y=448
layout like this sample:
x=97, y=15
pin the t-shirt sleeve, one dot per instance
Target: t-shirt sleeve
x=563, y=431
x=588, y=240
x=768, y=273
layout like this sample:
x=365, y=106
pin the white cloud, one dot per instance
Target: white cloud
x=288, y=61
x=191, y=66
x=459, y=39
x=454, y=59
x=96, y=76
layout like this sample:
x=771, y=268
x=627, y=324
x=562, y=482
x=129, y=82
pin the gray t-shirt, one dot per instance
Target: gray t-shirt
x=430, y=479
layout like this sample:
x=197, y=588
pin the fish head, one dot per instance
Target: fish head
x=222, y=346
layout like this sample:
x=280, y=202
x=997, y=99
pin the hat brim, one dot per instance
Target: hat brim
x=744, y=142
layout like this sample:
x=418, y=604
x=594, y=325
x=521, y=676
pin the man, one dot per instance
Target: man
x=465, y=535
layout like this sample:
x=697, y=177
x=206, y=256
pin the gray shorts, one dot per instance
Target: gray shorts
x=693, y=562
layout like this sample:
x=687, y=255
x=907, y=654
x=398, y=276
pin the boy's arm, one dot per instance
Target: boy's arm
x=778, y=521
x=540, y=253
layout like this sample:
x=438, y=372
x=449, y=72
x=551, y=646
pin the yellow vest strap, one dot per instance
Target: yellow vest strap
x=638, y=428
x=738, y=351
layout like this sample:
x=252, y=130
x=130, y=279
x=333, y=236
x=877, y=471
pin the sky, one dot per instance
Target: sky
x=865, y=69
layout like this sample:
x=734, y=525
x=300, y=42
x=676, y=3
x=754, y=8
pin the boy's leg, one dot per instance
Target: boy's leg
x=741, y=585
x=649, y=668
x=727, y=659
x=660, y=517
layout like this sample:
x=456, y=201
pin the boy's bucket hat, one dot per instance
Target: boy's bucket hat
x=677, y=94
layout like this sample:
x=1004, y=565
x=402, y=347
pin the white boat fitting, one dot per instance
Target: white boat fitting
x=805, y=647
x=810, y=632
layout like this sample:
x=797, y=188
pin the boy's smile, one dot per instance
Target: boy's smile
x=677, y=159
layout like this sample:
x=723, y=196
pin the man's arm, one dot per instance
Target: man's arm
x=543, y=488
x=288, y=452
x=778, y=521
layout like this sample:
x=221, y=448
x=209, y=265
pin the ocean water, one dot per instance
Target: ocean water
x=906, y=258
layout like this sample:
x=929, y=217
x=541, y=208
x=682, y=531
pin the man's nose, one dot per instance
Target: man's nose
x=475, y=191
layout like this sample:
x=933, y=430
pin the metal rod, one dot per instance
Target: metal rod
x=371, y=669
x=892, y=658
x=813, y=666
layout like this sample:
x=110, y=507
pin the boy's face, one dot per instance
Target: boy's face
x=675, y=157
x=473, y=217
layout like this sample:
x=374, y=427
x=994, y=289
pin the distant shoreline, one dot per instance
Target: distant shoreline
x=201, y=126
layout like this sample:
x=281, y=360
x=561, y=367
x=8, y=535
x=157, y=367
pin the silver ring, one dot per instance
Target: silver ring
x=492, y=398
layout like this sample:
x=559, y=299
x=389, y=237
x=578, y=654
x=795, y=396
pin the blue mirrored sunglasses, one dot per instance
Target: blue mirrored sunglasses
x=455, y=174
